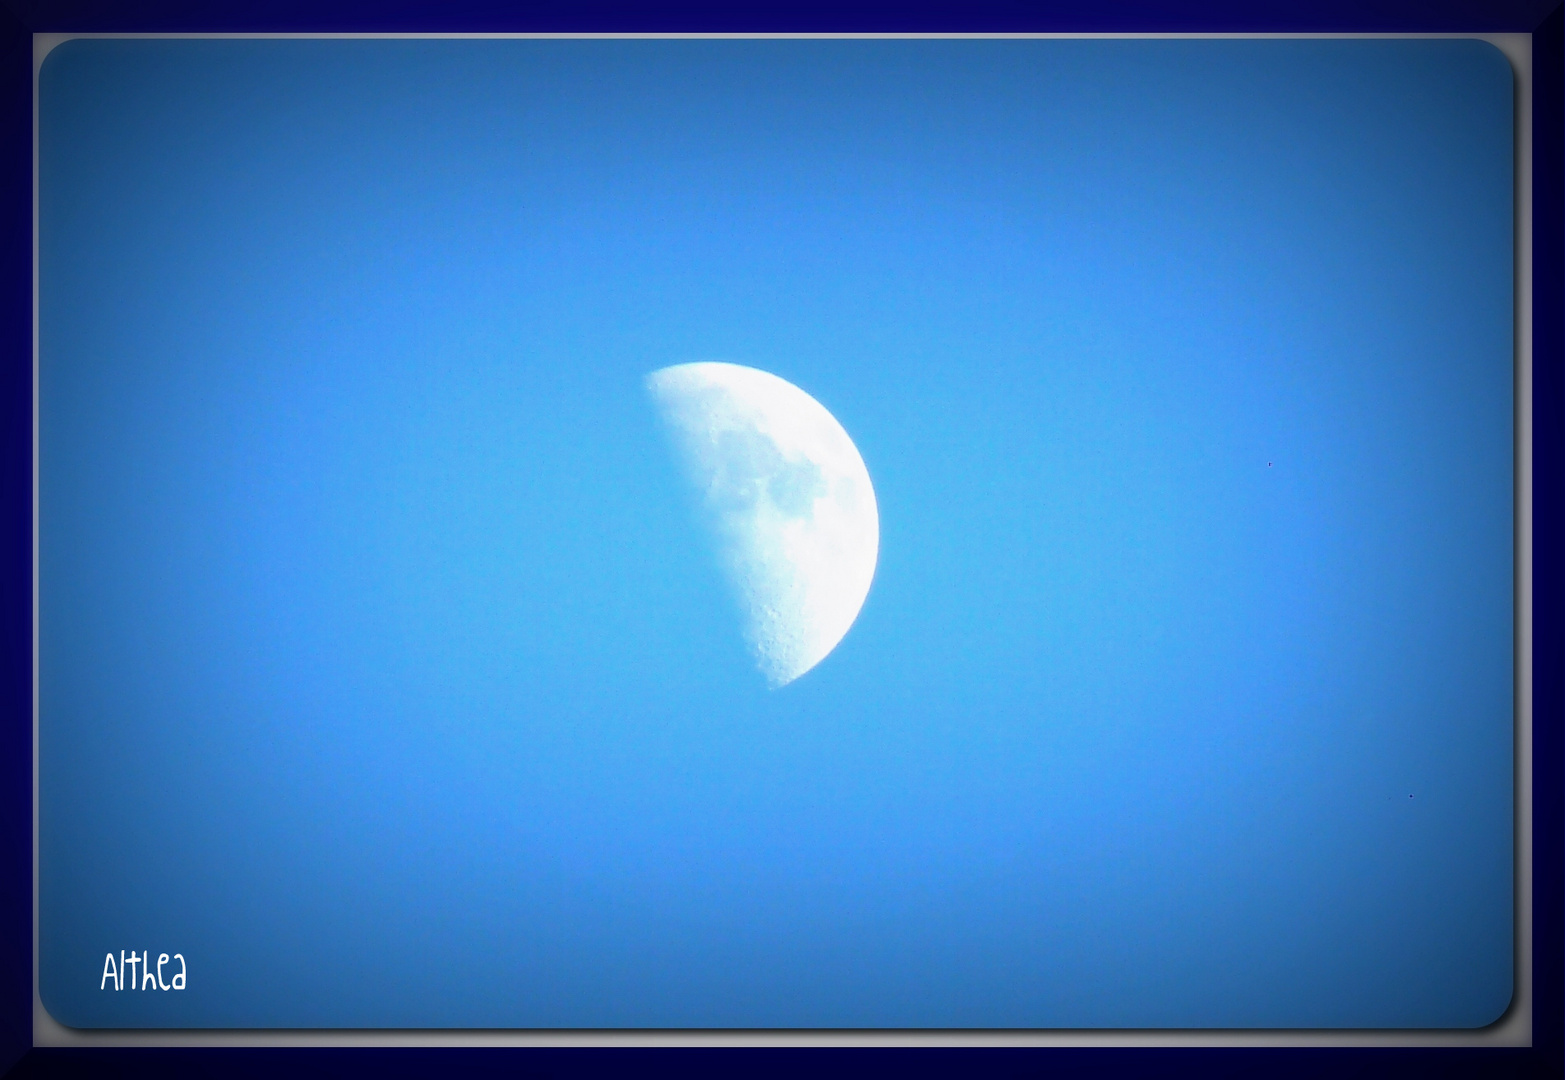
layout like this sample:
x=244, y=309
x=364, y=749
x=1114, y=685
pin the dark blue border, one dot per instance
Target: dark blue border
x=1450, y=16
x=20, y=18
x=1548, y=451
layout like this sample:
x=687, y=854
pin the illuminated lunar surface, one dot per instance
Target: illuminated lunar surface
x=788, y=500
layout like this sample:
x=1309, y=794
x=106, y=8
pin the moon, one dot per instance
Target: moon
x=787, y=498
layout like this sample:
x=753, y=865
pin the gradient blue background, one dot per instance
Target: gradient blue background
x=384, y=675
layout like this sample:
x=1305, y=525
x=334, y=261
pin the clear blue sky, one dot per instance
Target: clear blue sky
x=385, y=676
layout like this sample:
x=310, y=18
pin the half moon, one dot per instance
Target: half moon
x=788, y=500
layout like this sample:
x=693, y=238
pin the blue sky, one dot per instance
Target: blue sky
x=386, y=677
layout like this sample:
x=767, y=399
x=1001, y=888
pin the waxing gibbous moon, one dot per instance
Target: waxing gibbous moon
x=788, y=500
